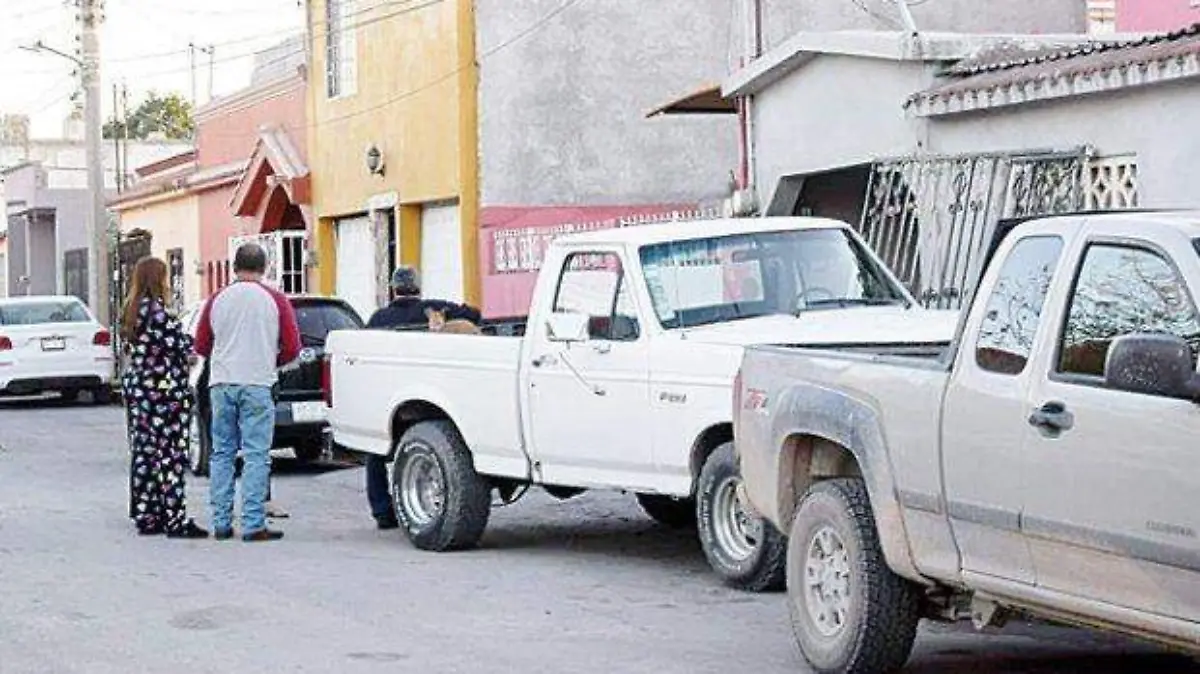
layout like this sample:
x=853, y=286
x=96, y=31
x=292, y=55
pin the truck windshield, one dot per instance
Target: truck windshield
x=712, y=280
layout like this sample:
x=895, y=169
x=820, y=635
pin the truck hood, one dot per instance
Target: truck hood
x=860, y=325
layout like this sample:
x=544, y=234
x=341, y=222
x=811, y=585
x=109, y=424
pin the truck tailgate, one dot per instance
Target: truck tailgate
x=471, y=378
x=864, y=394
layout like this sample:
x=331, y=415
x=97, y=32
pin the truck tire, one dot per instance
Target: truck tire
x=441, y=502
x=850, y=614
x=676, y=513
x=747, y=551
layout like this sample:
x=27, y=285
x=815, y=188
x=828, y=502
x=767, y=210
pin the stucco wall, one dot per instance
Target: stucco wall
x=406, y=104
x=562, y=110
x=1155, y=15
x=42, y=258
x=835, y=111
x=1151, y=121
x=784, y=18
x=173, y=224
x=227, y=132
x=16, y=260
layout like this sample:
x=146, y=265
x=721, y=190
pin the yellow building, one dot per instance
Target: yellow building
x=165, y=204
x=392, y=105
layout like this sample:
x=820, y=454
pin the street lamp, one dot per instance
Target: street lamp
x=88, y=68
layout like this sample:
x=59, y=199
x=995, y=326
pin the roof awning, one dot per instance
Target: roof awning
x=706, y=101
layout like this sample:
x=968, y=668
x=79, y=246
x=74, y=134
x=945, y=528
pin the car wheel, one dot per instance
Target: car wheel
x=199, y=445
x=102, y=395
x=442, y=503
x=677, y=513
x=747, y=551
x=70, y=395
x=849, y=612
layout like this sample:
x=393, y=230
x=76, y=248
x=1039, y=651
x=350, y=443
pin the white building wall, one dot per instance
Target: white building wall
x=834, y=111
x=1154, y=122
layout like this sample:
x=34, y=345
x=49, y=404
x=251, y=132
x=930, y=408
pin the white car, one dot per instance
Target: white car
x=53, y=344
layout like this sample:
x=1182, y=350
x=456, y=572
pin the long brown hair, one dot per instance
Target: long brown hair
x=150, y=280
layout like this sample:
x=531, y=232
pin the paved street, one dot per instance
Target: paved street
x=584, y=586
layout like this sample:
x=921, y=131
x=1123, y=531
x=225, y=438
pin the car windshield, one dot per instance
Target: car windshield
x=727, y=278
x=41, y=313
x=317, y=320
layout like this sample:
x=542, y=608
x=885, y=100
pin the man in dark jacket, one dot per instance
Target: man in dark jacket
x=406, y=310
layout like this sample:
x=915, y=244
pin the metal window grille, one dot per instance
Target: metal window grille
x=930, y=217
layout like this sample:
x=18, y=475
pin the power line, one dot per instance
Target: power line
x=405, y=95
x=405, y=4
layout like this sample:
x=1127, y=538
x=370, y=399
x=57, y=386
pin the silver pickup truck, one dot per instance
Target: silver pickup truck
x=1042, y=463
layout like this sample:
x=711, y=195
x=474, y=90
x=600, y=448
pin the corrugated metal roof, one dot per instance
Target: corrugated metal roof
x=1005, y=78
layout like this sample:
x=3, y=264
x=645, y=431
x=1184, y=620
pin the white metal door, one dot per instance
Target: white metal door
x=441, y=253
x=356, y=264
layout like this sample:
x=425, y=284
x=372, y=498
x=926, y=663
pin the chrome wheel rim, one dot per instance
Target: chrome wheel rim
x=422, y=491
x=737, y=530
x=827, y=581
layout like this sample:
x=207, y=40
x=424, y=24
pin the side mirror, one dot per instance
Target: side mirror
x=1152, y=364
x=567, y=327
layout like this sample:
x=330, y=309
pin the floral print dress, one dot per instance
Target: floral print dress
x=158, y=402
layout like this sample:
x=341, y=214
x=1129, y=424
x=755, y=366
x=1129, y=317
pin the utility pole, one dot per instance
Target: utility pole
x=116, y=127
x=212, y=50
x=90, y=17
x=192, y=70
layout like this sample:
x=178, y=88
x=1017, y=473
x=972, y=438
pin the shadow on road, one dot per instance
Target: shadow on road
x=956, y=661
x=619, y=538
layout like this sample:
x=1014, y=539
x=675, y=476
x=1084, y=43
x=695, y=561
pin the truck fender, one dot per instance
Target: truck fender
x=814, y=413
x=428, y=400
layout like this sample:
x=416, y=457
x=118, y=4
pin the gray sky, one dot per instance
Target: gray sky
x=144, y=44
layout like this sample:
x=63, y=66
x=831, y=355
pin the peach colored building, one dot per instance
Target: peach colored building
x=252, y=157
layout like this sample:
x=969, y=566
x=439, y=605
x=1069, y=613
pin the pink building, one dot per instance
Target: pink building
x=251, y=158
x=513, y=240
x=1149, y=16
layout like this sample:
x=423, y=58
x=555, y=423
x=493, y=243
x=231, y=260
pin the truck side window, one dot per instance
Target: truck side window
x=1014, y=309
x=1121, y=290
x=594, y=284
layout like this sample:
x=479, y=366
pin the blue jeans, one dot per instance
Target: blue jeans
x=243, y=417
x=377, y=487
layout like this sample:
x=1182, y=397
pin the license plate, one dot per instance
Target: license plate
x=308, y=412
x=53, y=344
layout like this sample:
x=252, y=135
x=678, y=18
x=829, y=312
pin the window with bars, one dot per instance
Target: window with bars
x=341, y=49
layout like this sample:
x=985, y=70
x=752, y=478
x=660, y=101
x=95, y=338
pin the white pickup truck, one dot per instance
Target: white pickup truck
x=623, y=381
x=1044, y=464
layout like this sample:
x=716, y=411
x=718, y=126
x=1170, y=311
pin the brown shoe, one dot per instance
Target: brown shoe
x=262, y=535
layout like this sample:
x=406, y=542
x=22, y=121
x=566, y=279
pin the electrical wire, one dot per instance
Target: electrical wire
x=291, y=31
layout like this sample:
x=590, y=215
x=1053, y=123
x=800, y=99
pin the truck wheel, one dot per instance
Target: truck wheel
x=676, y=513
x=849, y=612
x=199, y=445
x=747, y=551
x=440, y=500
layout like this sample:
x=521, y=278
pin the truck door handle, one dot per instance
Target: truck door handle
x=543, y=360
x=1052, y=417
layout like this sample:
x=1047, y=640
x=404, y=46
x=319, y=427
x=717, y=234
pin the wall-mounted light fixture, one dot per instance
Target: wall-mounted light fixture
x=375, y=161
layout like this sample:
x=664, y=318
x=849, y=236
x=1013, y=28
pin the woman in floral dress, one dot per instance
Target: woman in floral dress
x=158, y=403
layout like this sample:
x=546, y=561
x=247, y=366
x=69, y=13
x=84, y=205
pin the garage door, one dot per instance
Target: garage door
x=441, y=253
x=356, y=264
